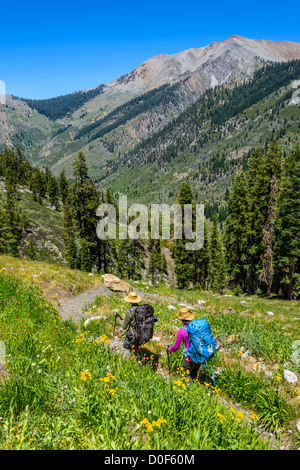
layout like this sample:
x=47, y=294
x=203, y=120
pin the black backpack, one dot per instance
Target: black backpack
x=145, y=319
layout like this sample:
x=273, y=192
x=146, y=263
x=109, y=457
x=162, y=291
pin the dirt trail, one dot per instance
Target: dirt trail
x=73, y=306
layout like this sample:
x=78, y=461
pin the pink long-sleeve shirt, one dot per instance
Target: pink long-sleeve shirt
x=182, y=336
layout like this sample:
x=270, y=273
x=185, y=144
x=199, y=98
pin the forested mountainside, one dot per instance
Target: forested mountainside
x=255, y=251
x=111, y=120
x=61, y=106
x=212, y=139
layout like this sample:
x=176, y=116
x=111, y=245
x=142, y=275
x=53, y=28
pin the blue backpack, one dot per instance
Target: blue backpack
x=202, y=342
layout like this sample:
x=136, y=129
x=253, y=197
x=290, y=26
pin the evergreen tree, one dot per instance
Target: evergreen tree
x=155, y=261
x=183, y=258
x=2, y=224
x=272, y=177
x=72, y=254
x=202, y=262
x=85, y=256
x=287, y=229
x=14, y=221
x=237, y=231
x=31, y=249
x=256, y=183
x=84, y=198
x=47, y=175
x=217, y=259
x=70, y=248
x=63, y=186
x=37, y=185
x=131, y=258
x=53, y=191
x=164, y=264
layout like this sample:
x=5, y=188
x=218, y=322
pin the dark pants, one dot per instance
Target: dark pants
x=192, y=367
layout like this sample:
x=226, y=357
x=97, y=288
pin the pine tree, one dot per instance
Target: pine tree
x=237, y=231
x=53, y=191
x=85, y=256
x=2, y=225
x=217, y=259
x=202, y=262
x=131, y=258
x=164, y=264
x=72, y=254
x=256, y=183
x=14, y=222
x=37, y=185
x=183, y=258
x=31, y=249
x=84, y=199
x=287, y=228
x=272, y=180
x=70, y=248
x=63, y=186
x=155, y=261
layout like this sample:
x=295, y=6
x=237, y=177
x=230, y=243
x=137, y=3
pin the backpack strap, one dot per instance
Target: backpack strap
x=184, y=350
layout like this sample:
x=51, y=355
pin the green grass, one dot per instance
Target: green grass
x=53, y=397
x=45, y=403
x=54, y=281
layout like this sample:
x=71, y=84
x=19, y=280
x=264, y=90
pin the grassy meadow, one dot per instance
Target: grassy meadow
x=65, y=388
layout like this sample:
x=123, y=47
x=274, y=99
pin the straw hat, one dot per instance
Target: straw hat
x=132, y=298
x=185, y=314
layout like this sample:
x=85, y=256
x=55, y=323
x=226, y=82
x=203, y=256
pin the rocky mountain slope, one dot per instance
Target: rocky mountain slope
x=109, y=121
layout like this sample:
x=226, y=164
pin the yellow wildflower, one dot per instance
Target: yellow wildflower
x=85, y=375
x=254, y=417
x=221, y=417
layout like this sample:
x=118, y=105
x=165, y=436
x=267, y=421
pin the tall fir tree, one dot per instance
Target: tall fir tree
x=287, y=228
x=53, y=191
x=14, y=221
x=155, y=261
x=84, y=198
x=183, y=258
x=272, y=176
x=217, y=258
x=70, y=247
x=256, y=183
x=63, y=186
x=237, y=231
x=202, y=262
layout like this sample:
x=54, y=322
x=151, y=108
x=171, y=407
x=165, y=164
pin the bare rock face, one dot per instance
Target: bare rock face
x=115, y=284
x=214, y=64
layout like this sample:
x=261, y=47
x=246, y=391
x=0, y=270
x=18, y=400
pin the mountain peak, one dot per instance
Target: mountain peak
x=235, y=36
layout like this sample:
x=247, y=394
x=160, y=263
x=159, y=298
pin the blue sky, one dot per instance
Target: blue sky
x=53, y=48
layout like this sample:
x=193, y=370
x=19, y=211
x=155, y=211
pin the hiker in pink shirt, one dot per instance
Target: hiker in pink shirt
x=189, y=367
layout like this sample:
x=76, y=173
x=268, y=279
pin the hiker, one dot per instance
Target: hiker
x=190, y=367
x=129, y=321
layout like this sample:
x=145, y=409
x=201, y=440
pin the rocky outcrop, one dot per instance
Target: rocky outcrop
x=115, y=284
